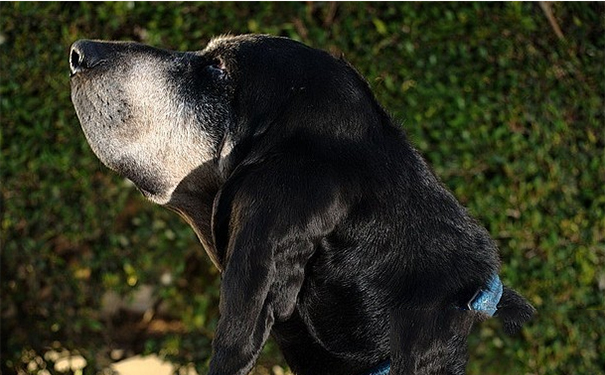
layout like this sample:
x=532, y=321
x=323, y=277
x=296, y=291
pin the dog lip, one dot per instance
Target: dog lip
x=88, y=69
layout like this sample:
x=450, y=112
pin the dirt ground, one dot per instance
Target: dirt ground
x=148, y=365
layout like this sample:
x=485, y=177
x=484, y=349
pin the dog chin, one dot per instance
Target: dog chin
x=145, y=177
x=157, y=193
x=157, y=198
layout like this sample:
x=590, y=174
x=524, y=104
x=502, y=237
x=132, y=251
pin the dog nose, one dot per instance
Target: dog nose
x=86, y=54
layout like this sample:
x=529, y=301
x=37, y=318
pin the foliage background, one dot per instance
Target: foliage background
x=510, y=116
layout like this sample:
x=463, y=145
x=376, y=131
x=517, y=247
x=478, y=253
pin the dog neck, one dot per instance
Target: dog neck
x=193, y=200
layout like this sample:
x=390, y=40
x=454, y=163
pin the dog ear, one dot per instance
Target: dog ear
x=266, y=223
x=514, y=311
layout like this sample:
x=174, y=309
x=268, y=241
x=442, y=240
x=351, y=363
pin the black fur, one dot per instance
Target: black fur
x=334, y=235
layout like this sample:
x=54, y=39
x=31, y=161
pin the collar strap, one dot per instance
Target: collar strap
x=486, y=299
x=381, y=369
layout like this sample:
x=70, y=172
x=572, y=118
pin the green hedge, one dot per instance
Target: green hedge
x=510, y=116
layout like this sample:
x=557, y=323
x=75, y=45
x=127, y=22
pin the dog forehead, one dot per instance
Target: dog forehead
x=229, y=41
x=242, y=48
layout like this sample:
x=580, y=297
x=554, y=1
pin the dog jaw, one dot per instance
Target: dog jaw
x=140, y=125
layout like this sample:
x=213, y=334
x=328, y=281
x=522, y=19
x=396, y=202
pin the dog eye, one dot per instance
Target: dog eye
x=216, y=67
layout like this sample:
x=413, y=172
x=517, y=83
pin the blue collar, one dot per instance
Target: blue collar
x=485, y=299
x=382, y=369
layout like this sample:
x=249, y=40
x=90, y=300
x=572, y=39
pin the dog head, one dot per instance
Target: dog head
x=178, y=123
x=158, y=117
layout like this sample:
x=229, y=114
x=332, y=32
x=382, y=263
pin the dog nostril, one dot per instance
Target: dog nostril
x=74, y=61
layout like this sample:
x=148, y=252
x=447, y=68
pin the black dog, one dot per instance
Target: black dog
x=330, y=230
